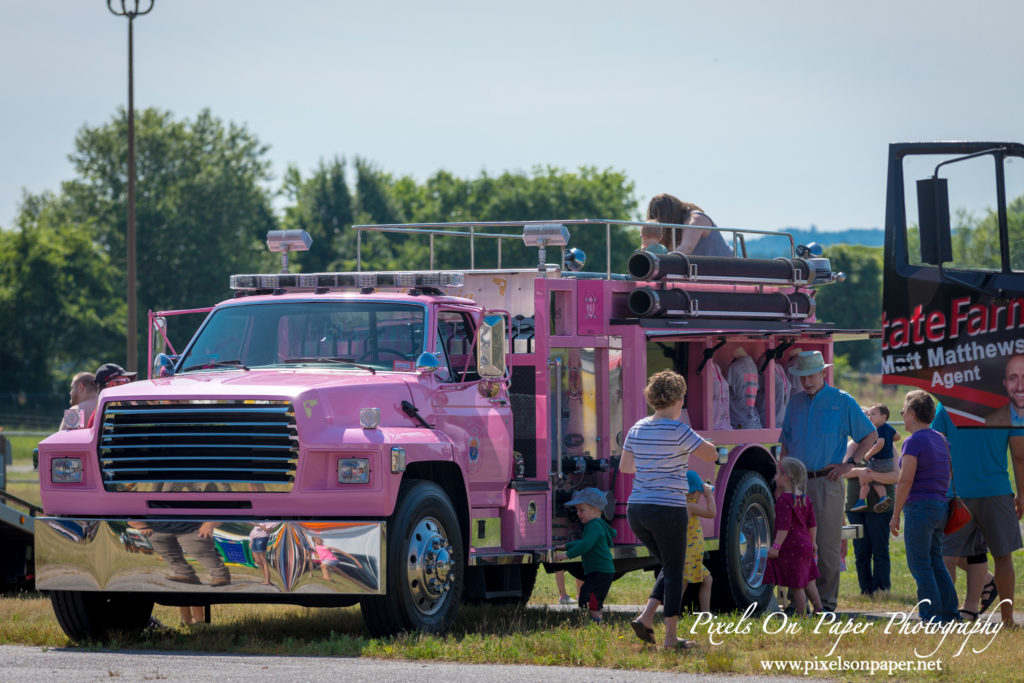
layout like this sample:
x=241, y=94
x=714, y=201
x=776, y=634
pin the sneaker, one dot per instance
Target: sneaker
x=883, y=504
x=566, y=600
x=859, y=506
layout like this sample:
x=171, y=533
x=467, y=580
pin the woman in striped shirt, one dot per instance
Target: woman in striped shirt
x=657, y=450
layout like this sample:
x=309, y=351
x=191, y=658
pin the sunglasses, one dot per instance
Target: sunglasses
x=118, y=381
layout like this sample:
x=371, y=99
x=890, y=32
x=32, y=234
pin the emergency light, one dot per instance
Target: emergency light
x=343, y=281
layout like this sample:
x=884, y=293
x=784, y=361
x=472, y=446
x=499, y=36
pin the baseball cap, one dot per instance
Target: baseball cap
x=590, y=496
x=110, y=371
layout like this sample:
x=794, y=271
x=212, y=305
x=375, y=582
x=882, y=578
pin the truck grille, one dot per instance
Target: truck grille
x=188, y=446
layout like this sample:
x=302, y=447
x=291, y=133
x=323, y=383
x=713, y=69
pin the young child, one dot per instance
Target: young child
x=700, y=502
x=594, y=548
x=791, y=558
x=879, y=459
x=650, y=238
x=327, y=558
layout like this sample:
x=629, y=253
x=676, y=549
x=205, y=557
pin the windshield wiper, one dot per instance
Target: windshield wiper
x=340, y=361
x=217, y=364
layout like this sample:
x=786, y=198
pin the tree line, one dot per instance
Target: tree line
x=205, y=199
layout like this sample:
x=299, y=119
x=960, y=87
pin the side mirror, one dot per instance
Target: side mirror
x=163, y=365
x=427, y=363
x=933, y=221
x=490, y=347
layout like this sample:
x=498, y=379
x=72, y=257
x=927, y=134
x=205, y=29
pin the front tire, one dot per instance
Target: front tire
x=746, y=536
x=95, y=616
x=425, y=565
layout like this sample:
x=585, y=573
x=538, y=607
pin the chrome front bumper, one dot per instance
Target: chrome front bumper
x=121, y=555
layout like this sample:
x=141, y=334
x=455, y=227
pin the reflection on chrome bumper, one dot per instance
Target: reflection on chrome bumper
x=228, y=556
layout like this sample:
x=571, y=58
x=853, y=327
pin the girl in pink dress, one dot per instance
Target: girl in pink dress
x=791, y=560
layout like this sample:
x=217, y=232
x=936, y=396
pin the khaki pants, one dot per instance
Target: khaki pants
x=172, y=547
x=828, y=500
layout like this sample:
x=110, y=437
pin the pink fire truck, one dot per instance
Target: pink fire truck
x=407, y=440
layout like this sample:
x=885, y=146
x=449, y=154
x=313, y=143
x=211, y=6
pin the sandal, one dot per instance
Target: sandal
x=988, y=595
x=682, y=644
x=968, y=615
x=642, y=632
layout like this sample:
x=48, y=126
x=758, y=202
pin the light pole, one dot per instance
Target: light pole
x=132, y=359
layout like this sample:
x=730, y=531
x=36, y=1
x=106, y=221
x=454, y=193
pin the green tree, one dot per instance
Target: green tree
x=544, y=193
x=855, y=303
x=59, y=304
x=202, y=205
x=203, y=210
x=322, y=206
x=379, y=198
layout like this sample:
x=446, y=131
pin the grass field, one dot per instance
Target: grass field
x=552, y=636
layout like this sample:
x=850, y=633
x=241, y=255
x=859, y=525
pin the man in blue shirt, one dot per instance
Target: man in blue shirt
x=814, y=431
x=980, y=477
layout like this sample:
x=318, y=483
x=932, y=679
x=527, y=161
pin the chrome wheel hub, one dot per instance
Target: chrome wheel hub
x=429, y=566
x=755, y=540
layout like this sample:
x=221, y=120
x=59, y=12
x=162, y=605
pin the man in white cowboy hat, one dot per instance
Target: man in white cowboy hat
x=814, y=431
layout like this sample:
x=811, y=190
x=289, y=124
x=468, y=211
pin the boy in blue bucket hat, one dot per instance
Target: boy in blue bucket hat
x=594, y=549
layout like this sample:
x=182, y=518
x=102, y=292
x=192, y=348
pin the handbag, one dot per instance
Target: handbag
x=958, y=515
x=958, y=512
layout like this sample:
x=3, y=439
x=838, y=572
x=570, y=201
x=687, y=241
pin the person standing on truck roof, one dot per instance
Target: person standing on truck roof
x=84, y=396
x=814, y=431
x=657, y=449
x=664, y=208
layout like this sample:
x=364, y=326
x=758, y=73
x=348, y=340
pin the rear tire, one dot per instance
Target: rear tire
x=748, y=522
x=425, y=565
x=96, y=616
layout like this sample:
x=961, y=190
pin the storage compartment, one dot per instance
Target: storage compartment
x=525, y=522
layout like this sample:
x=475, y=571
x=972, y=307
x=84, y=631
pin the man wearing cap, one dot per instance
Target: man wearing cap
x=110, y=375
x=814, y=431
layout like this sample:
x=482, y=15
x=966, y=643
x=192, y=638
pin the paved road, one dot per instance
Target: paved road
x=32, y=664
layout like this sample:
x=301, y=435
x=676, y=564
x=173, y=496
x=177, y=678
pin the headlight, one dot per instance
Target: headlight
x=66, y=470
x=354, y=471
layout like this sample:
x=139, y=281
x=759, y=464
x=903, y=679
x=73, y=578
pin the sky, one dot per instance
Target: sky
x=769, y=114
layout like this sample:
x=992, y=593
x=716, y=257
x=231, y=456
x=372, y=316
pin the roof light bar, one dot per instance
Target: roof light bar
x=340, y=281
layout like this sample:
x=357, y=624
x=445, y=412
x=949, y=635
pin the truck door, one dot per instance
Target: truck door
x=480, y=426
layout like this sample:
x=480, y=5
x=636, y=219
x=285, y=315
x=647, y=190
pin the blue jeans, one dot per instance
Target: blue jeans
x=872, y=551
x=924, y=521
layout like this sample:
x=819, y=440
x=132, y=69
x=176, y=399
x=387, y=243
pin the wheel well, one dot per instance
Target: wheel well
x=757, y=459
x=448, y=476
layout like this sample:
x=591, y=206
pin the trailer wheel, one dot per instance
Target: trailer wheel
x=425, y=565
x=95, y=616
x=746, y=537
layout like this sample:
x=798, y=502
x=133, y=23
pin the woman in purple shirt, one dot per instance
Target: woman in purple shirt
x=921, y=497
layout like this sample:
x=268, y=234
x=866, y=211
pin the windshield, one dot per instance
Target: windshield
x=378, y=335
